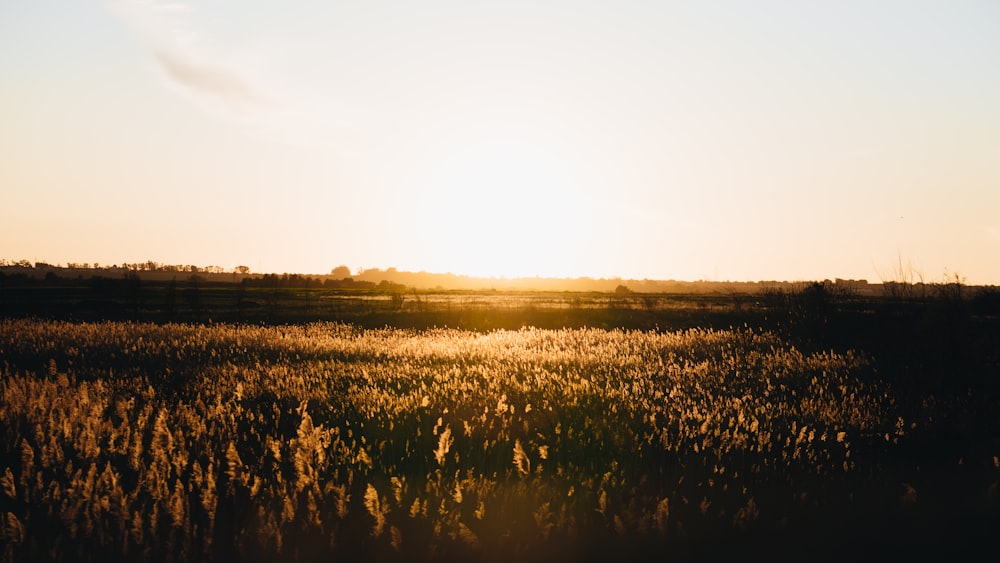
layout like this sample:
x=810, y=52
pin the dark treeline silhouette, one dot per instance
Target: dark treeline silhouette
x=341, y=277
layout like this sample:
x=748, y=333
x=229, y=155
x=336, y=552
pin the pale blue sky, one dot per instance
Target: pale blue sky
x=686, y=140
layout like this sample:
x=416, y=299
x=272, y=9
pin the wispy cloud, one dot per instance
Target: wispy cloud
x=227, y=81
x=209, y=79
x=205, y=80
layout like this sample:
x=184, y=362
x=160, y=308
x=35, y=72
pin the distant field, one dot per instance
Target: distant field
x=314, y=441
x=199, y=300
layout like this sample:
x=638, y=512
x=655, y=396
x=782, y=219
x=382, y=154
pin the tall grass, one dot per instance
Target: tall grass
x=178, y=442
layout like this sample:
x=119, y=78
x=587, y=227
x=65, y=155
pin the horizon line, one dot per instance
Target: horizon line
x=157, y=267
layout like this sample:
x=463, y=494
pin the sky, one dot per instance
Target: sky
x=663, y=140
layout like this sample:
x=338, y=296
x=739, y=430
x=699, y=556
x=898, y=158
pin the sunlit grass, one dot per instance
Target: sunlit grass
x=176, y=441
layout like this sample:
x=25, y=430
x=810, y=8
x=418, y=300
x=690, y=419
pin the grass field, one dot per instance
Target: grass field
x=329, y=441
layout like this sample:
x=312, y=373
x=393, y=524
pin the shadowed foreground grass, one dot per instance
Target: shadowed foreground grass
x=308, y=442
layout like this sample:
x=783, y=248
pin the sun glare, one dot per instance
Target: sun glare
x=505, y=206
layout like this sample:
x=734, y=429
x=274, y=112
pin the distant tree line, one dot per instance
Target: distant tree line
x=148, y=266
x=283, y=281
x=903, y=284
x=110, y=275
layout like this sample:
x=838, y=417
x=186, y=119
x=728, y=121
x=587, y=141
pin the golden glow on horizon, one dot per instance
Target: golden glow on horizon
x=506, y=205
